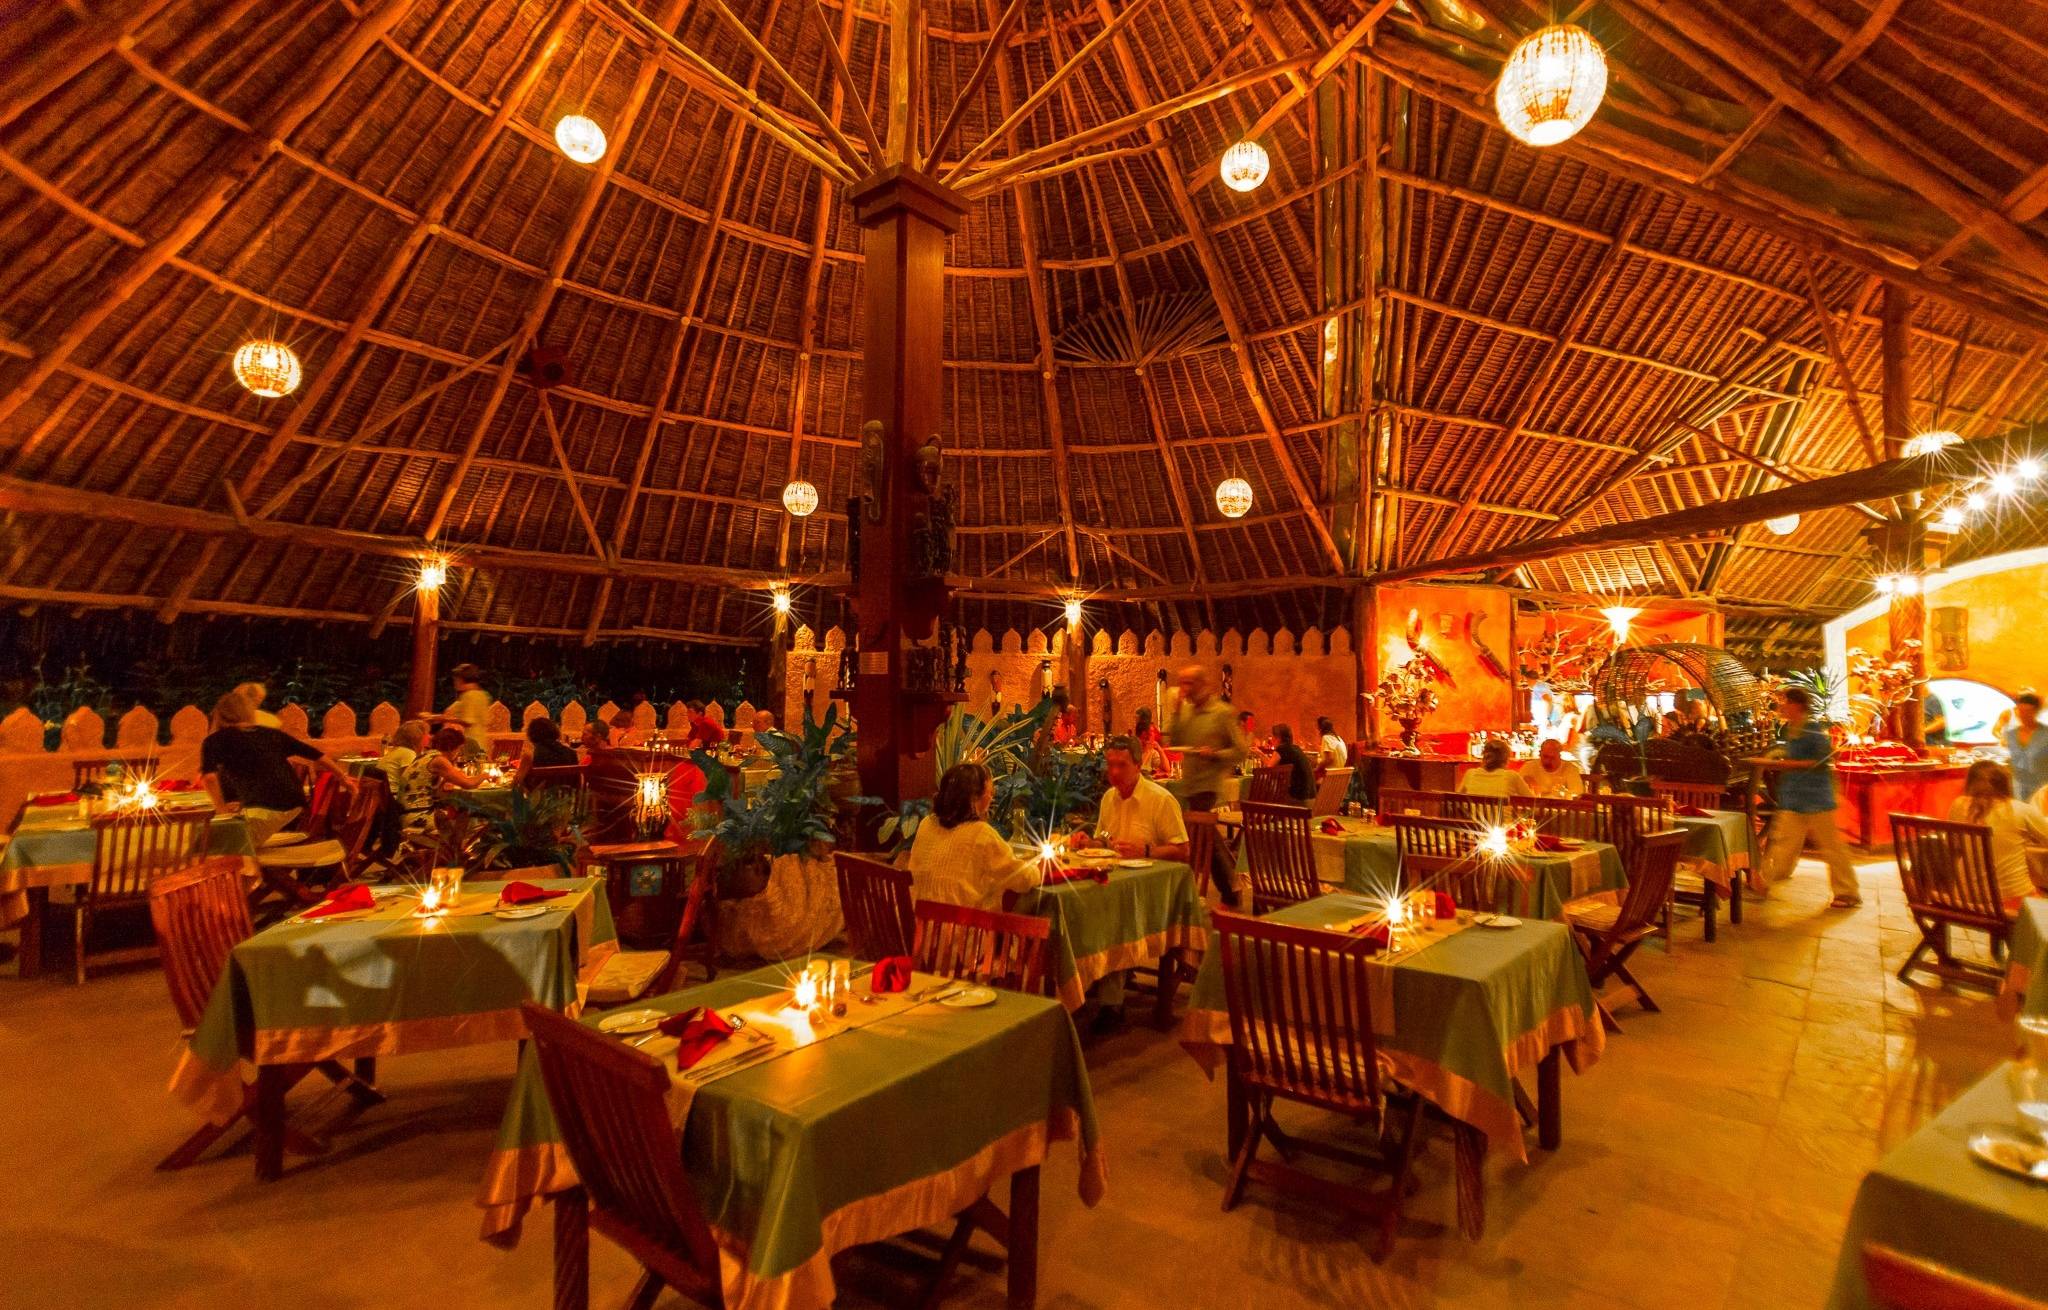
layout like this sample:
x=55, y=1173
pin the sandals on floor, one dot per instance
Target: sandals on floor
x=1845, y=902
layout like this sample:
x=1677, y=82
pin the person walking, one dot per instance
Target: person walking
x=1212, y=746
x=1806, y=801
x=2026, y=746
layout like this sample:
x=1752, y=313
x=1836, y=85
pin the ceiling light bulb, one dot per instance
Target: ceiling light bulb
x=2004, y=484
x=1951, y=519
x=1073, y=612
x=1976, y=502
x=433, y=575
x=781, y=600
x=580, y=138
x=1245, y=166
x=2027, y=469
x=1550, y=85
x=1784, y=525
x=1926, y=443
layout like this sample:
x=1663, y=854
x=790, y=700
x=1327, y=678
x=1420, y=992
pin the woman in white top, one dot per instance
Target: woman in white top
x=256, y=693
x=1493, y=777
x=957, y=856
x=1334, y=753
x=1987, y=799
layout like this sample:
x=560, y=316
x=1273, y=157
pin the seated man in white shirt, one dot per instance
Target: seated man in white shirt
x=1550, y=774
x=1139, y=819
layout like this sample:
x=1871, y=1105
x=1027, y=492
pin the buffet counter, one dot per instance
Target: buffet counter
x=1874, y=789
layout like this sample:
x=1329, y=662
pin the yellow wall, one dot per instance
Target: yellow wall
x=2007, y=629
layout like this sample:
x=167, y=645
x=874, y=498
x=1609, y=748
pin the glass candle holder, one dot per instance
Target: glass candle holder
x=444, y=889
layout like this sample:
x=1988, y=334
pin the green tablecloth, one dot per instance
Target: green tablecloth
x=2026, y=967
x=880, y=1130
x=390, y=984
x=1370, y=862
x=53, y=845
x=1470, y=1013
x=1133, y=919
x=1929, y=1198
x=1721, y=839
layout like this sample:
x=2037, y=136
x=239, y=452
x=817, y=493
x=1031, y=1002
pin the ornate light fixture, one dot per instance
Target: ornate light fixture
x=267, y=368
x=1234, y=497
x=1618, y=618
x=1927, y=443
x=1073, y=611
x=2004, y=484
x=580, y=138
x=2027, y=469
x=1784, y=525
x=1551, y=85
x=800, y=498
x=1245, y=166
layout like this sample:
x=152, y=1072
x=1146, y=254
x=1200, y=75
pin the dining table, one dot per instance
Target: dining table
x=393, y=979
x=1459, y=1017
x=52, y=849
x=1932, y=1200
x=1111, y=915
x=810, y=1132
x=2025, y=987
x=1720, y=851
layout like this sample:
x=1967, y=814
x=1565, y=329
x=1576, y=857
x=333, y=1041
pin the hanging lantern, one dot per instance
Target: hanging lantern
x=580, y=139
x=1234, y=497
x=1245, y=166
x=1551, y=85
x=267, y=368
x=1784, y=525
x=800, y=498
x=1928, y=442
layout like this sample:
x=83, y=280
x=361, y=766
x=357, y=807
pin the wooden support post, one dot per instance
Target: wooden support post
x=1365, y=651
x=1075, y=674
x=426, y=633
x=1906, y=546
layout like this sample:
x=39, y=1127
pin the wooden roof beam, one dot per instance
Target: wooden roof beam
x=85, y=44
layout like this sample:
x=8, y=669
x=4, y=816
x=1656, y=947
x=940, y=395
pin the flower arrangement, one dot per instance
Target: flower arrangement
x=1408, y=694
x=1884, y=685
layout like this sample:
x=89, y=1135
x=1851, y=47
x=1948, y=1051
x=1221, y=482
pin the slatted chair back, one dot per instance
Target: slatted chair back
x=1443, y=854
x=1486, y=811
x=1203, y=834
x=1575, y=817
x=200, y=912
x=1279, y=855
x=359, y=822
x=93, y=768
x=1704, y=795
x=1947, y=871
x=1011, y=951
x=1631, y=818
x=1270, y=784
x=1897, y=1281
x=876, y=899
x=128, y=850
x=1429, y=804
x=554, y=775
x=1331, y=789
x=1652, y=867
x=610, y=1103
x=1300, y=1013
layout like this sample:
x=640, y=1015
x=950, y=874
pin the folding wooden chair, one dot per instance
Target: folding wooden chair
x=1301, y=1030
x=1443, y=854
x=1279, y=856
x=1574, y=817
x=1609, y=926
x=201, y=913
x=1486, y=811
x=986, y=946
x=1204, y=833
x=630, y=975
x=1628, y=820
x=361, y=827
x=610, y=1102
x=875, y=897
x=1897, y=1281
x=1269, y=785
x=128, y=850
x=1951, y=882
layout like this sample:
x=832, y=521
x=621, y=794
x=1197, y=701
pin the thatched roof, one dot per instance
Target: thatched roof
x=1615, y=327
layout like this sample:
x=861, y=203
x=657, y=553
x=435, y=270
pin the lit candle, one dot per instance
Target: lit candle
x=1494, y=844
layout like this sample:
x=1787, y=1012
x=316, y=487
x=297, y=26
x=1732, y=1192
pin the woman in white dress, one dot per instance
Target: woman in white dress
x=1987, y=799
x=958, y=856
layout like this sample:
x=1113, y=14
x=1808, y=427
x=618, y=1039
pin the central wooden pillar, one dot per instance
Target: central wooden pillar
x=1904, y=548
x=908, y=217
x=426, y=634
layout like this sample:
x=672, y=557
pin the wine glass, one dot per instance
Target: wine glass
x=2027, y=1075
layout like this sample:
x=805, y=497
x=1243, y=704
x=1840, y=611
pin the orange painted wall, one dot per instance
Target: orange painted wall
x=1479, y=699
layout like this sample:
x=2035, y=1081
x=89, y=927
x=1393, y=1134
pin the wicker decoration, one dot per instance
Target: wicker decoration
x=580, y=139
x=1234, y=497
x=1245, y=166
x=1551, y=85
x=1784, y=525
x=800, y=498
x=1633, y=672
x=267, y=368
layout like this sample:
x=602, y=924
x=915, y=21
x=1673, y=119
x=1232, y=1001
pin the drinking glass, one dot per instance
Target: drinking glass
x=2027, y=1076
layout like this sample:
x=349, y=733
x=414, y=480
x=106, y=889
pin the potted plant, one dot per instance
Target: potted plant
x=1000, y=742
x=520, y=829
x=1408, y=694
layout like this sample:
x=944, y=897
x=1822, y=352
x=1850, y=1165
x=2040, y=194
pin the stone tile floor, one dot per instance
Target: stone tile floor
x=1709, y=1160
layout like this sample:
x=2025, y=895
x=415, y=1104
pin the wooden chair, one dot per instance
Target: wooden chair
x=1330, y=792
x=127, y=851
x=1704, y=795
x=1486, y=811
x=1443, y=854
x=1897, y=1281
x=1574, y=817
x=1430, y=804
x=1628, y=820
x=1269, y=785
x=1301, y=1030
x=610, y=1103
x=1279, y=856
x=1609, y=926
x=1011, y=951
x=554, y=775
x=630, y=975
x=1950, y=882
x=875, y=897
x=1203, y=835
x=360, y=828
x=92, y=769
x=201, y=913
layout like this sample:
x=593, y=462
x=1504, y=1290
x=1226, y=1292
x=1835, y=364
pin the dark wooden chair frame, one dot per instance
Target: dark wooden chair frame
x=1011, y=951
x=876, y=899
x=1279, y=855
x=1950, y=881
x=1652, y=865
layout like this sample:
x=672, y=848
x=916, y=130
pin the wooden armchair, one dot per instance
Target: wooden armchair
x=1301, y=1030
x=1574, y=817
x=610, y=1102
x=880, y=920
x=1430, y=804
x=128, y=851
x=1203, y=835
x=1334, y=786
x=1442, y=854
x=1011, y=951
x=1950, y=882
x=1269, y=785
x=1279, y=856
x=1609, y=926
x=1704, y=795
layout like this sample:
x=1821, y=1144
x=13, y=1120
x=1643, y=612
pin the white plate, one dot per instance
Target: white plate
x=2008, y=1152
x=1496, y=921
x=970, y=998
x=630, y=1021
x=519, y=911
x=1134, y=864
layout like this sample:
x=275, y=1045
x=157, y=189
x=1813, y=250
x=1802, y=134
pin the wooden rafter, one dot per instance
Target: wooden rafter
x=1825, y=320
x=991, y=57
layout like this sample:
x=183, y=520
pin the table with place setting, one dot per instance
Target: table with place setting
x=52, y=848
x=385, y=971
x=1110, y=914
x=810, y=1124
x=1466, y=1006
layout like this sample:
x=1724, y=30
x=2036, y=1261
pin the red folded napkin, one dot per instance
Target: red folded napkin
x=1375, y=932
x=1446, y=908
x=519, y=893
x=1546, y=842
x=342, y=900
x=891, y=975
x=697, y=1031
x=1691, y=812
x=1332, y=828
x=178, y=784
x=55, y=798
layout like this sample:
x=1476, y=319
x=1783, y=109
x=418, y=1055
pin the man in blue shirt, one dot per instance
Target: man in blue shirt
x=2026, y=747
x=1806, y=801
